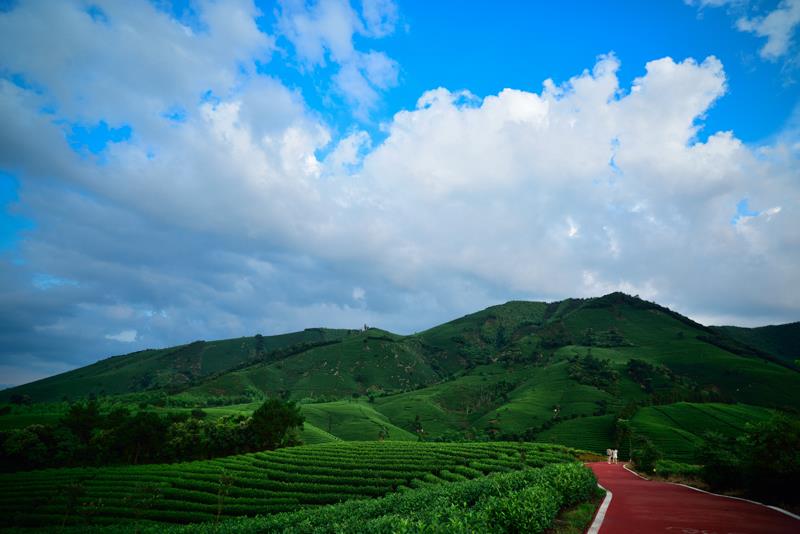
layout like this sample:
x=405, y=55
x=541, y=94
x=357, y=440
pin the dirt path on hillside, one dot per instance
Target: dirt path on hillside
x=643, y=506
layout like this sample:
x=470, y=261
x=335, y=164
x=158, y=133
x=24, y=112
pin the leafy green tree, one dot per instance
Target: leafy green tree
x=25, y=449
x=772, y=459
x=274, y=424
x=83, y=419
x=142, y=438
x=721, y=461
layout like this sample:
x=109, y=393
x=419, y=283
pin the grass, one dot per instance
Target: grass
x=576, y=520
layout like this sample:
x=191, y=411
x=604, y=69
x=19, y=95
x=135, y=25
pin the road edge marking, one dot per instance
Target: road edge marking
x=776, y=508
x=629, y=470
x=601, y=512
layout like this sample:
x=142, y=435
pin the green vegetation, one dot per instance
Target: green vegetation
x=592, y=371
x=576, y=520
x=354, y=420
x=588, y=433
x=85, y=436
x=559, y=372
x=172, y=368
x=644, y=454
x=781, y=341
x=273, y=423
x=764, y=461
x=677, y=430
x=521, y=501
x=614, y=371
x=672, y=469
x=258, y=483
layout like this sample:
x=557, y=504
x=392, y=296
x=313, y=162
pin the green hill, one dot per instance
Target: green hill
x=171, y=368
x=781, y=341
x=562, y=372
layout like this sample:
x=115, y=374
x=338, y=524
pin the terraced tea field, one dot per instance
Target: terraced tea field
x=677, y=429
x=251, y=484
x=588, y=433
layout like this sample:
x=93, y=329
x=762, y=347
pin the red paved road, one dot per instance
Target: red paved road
x=642, y=506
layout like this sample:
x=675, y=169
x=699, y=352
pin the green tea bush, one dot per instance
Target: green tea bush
x=524, y=501
x=669, y=468
x=308, y=479
x=529, y=510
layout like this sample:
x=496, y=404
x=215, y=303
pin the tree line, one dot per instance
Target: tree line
x=87, y=437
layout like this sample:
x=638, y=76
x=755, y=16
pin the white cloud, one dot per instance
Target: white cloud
x=713, y=3
x=572, y=228
x=324, y=30
x=778, y=27
x=138, y=51
x=380, y=17
x=125, y=336
x=348, y=152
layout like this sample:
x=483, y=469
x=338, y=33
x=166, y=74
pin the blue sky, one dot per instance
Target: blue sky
x=520, y=44
x=172, y=171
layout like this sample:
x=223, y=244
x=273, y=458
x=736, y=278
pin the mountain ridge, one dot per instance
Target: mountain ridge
x=518, y=327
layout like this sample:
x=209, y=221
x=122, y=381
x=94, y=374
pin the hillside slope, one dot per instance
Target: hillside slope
x=781, y=341
x=170, y=368
x=561, y=372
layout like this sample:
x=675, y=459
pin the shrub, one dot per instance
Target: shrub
x=667, y=468
x=771, y=458
x=721, y=462
x=645, y=455
x=529, y=510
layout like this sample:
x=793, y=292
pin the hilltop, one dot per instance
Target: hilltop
x=564, y=371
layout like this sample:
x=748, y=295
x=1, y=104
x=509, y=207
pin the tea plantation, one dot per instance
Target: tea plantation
x=254, y=484
x=519, y=501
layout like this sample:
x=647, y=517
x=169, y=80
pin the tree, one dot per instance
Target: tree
x=146, y=435
x=83, y=419
x=772, y=458
x=720, y=458
x=274, y=424
x=21, y=399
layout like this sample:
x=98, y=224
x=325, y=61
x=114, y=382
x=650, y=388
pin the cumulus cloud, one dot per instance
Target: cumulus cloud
x=229, y=221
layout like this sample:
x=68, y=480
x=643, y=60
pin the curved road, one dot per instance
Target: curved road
x=643, y=506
